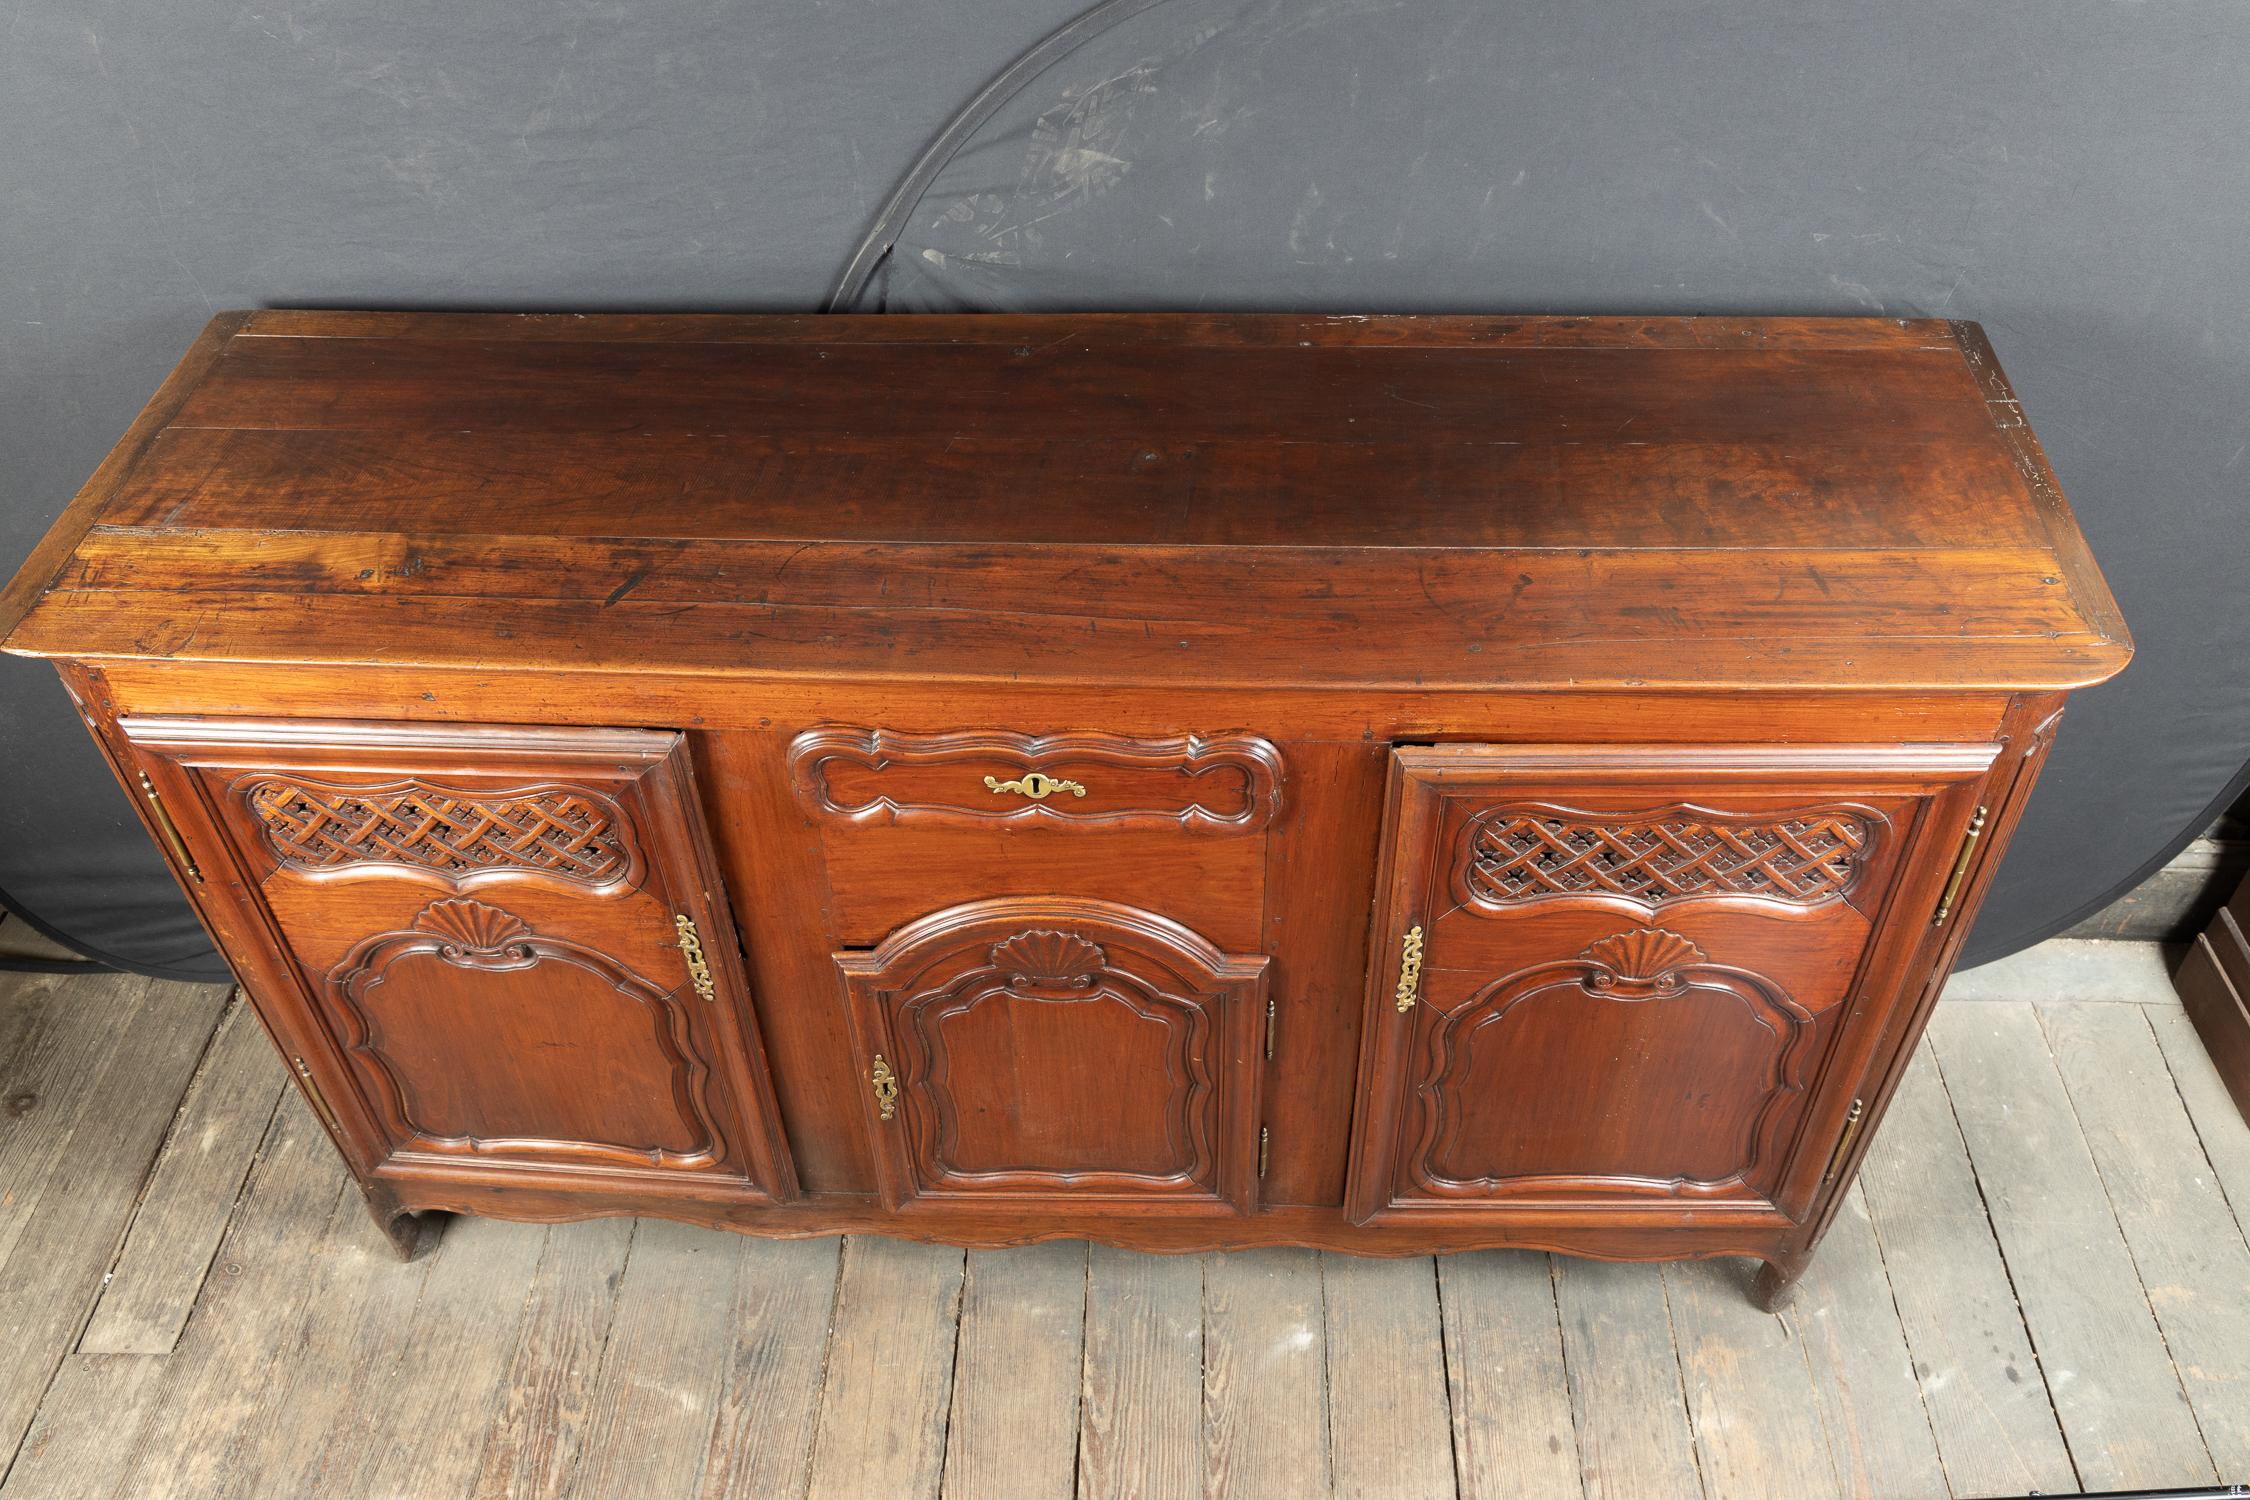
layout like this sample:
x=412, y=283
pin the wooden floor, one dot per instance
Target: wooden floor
x=2042, y=1282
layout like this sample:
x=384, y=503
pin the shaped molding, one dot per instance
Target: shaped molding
x=1225, y=784
x=469, y=935
x=1133, y=1029
x=1641, y=968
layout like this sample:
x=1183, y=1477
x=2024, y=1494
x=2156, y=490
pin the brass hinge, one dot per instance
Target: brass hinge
x=691, y=949
x=319, y=1104
x=169, y=829
x=1269, y=1028
x=1410, y=969
x=1844, y=1141
x=1265, y=1149
x=1960, y=868
x=886, y=1087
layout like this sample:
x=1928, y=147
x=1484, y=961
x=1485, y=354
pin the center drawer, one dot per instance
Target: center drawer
x=914, y=821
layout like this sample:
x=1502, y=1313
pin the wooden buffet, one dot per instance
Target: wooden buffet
x=1388, y=784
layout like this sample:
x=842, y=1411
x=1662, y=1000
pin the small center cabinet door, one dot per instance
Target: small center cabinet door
x=1057, y=1053
x=1639, y=981
x=510, y=942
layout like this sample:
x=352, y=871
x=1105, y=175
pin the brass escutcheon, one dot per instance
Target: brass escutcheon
x=1036, y=785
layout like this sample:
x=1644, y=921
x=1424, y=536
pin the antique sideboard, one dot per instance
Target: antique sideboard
x=1386, y=784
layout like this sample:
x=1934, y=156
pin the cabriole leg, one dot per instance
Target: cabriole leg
x=412, y=1235
x=1777, y=1280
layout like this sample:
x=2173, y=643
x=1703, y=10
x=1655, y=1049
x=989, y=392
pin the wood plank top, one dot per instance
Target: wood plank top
x=1465, y=502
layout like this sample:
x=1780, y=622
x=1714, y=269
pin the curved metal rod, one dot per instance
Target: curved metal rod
x=875, y=245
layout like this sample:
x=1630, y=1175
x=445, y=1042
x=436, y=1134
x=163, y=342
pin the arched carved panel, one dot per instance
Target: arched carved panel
x=1517, y=854
x=456, y=834
x=480, y=1037
x=1049, y=1049
x=1698, y=1069
x=987, y=777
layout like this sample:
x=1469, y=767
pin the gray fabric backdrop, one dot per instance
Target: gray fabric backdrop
x=2068, y=172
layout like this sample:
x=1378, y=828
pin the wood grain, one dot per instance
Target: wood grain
x=1140, y=1426
x=1862, y=1375
x=1265, y=1375
x=64, y=1224
x=1168, y=437
x=2118, y=1397
x=1626, y=1402
x=536, y=1428
x=1513, y=1434
x=1389, y=1427
x=2186, y=1243
x=1980, y=1379
x=889, y=1382
x=784, y=1295
x=191, y=1194
x=1013, y=1428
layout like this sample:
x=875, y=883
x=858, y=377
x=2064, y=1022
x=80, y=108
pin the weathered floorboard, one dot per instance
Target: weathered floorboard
x=54, y=1038
x=1512, y=1430
x=1879, y=1438
x=428, y=1437
x=309, y=1434
x=890, y=1370
x=1634, y=1442
x=2119, y=1400
x=1747, y=1385
x=74, y=1447
x=1980, y=1378
x=1140, y=1426
x=2219, y=1125
x=2185, y=1242
x=1014, y=1425
x=785, y=1292
x=655, y=1398
x=188, y=1435
x=1265, y=1375
x=106, y=1127
x=1388, y=1420
x=192, y=1193
x=548, y=1393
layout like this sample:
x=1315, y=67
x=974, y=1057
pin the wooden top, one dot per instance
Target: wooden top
x=1155, y=499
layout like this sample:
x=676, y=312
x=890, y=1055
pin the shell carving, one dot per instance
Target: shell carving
x=470, y=926
x=1647, y=959
x=1043, y=957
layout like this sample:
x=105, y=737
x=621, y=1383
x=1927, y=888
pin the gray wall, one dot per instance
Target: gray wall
x=2069, y=172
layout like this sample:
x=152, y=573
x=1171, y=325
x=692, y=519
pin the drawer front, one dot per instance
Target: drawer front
x=1058, y=1054
x=980, y=778
x=1625, y=979
x=512, y=942
x=910, y=823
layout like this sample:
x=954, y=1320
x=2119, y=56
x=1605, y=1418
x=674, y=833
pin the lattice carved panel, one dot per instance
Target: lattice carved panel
x=569, y=833
x=1518, y=855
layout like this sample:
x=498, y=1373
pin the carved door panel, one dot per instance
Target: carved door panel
x=511, y=945
x=1059, y=1053
x=1640, y=980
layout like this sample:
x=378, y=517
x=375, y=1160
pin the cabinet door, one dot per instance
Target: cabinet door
x=1042, y=1051
x=1640, y=980
x=509, y=944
